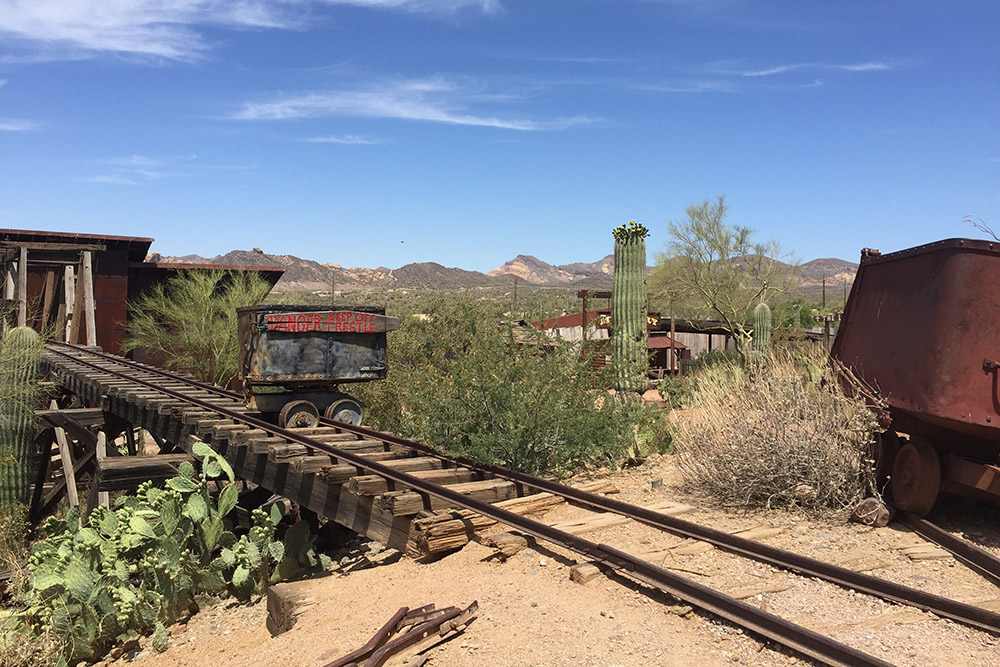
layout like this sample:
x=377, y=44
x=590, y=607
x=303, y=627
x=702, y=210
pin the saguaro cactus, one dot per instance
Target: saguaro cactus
x=761, y=328
x=19, y=352
x=628, y=308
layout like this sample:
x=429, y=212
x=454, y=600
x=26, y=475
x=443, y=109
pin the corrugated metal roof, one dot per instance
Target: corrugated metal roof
x=663, y=343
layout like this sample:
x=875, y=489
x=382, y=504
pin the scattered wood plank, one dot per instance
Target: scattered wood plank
x=454, y=529
x=508, y=544
x=608, y=519
x=761, y=588
x=286, y=602
x=581, y=573
x=923, y=551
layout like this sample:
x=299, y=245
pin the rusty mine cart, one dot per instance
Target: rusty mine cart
x=921, y=328
x=293, y=359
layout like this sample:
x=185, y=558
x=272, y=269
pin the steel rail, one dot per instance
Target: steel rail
x=961, y=612
x=805, y=641
x=957, y=611
x=974, y=557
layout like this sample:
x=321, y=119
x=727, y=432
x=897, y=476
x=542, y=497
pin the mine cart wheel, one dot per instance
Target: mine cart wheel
x=298, y=414
x=884, y=452
x=345, y=410
x=916, y=477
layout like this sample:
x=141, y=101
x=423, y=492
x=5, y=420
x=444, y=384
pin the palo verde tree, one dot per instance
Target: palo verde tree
x=628, y=308
x=721, y=268
x=190, y=321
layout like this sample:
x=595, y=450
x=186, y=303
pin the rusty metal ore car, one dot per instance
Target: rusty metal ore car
x=293, y=359
x=921, y=326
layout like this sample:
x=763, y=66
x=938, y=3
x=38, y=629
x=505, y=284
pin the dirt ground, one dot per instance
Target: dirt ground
x=531, y=613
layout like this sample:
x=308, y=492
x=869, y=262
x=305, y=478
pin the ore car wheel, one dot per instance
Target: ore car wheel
x=345, y=410
x=884, y=452
x=298, y=414
x=916, y=477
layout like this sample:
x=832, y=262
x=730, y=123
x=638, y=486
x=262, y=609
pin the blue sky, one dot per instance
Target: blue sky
x=464, y=132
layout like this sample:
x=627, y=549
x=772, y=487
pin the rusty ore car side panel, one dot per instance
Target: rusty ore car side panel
x=918, y=326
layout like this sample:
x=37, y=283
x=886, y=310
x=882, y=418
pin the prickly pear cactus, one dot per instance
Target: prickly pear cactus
x=19, y=353
x=762, y=328
x=628, y=308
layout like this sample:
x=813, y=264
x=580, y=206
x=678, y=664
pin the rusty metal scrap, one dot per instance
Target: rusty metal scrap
x=409, y=628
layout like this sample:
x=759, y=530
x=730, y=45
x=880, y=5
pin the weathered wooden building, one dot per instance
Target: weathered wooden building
x=77, y=287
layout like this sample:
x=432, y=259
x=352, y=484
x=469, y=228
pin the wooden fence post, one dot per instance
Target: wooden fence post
x=88, y=295
x=69, y=292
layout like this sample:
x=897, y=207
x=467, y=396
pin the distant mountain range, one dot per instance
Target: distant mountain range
x=306, y=274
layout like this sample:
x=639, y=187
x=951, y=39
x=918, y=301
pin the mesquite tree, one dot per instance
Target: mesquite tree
x=628, y=308
x=19, y=353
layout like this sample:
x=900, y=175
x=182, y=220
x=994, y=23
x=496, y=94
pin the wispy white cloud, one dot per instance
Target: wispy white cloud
x=137, y=169
x=874, y=66
x=68, y=29
x=347, y=139
x=432, y=6
x=703, y=86
x=17, y=125
x=433, y=99
x=109, y=179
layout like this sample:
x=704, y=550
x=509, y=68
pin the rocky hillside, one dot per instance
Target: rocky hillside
x=536, y=272
x=834, y=270
x=305, y=274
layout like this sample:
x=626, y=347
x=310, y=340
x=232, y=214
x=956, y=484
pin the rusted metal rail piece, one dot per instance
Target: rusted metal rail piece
x=421, y=622
x=974, y=557
x=378, y=639
x=807, y=642
x=448, y=620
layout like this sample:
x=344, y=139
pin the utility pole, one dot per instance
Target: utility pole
x=824, y=293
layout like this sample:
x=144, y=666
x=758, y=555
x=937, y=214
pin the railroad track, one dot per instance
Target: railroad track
x=183, y=410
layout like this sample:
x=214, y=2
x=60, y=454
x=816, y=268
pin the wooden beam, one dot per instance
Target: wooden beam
x=22, y=288
x=66, y=456
x=96, y=496
x=10, y=271
x=69, y=291
x=39, y=245
x=48, y=296
x=74, y=333
x=125, y=473
x=88, y=295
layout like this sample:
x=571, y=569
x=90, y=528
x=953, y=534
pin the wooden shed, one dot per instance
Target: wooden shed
x=77, y=287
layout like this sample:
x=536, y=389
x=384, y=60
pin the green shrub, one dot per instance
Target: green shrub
x=716, y=358
x=138, y=567
x=190, y=321
x=676, y=390
x=476, y=387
